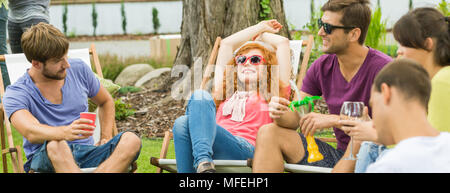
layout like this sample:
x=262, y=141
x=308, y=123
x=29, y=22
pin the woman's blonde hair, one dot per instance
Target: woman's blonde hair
x=263, y=87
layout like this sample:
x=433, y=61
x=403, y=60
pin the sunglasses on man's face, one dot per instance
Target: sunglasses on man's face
x=328, y=28
x=254, y=59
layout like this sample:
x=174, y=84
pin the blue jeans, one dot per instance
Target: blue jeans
x=15, y=31
x=3, y=48
x=368, y=153
x=198, y=138
x=86, y=156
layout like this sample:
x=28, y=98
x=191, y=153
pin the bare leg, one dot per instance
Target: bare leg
x=61, y=157
x=123, y=154
x=274, y=145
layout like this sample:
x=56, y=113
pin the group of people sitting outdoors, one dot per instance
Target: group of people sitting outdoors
x=247, y=114
x=246, y=117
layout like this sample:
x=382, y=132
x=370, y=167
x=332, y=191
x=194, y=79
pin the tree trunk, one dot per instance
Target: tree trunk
x=205, y=20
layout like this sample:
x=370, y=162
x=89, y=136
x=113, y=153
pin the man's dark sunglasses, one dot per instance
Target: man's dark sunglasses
x=328, y=28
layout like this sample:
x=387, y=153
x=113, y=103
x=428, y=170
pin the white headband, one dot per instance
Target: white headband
x=265, y=45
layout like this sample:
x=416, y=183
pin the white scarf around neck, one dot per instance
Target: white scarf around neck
x=236, y=106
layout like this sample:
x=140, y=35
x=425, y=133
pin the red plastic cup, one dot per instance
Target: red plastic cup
x=90, y=116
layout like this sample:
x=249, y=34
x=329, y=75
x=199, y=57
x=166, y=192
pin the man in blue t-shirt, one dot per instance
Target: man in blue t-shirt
x=44, y=105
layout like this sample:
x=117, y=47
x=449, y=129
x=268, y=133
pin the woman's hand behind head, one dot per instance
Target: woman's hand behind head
x=271, y=26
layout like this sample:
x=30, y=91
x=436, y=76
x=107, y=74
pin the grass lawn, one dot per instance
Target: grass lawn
x=150, y=148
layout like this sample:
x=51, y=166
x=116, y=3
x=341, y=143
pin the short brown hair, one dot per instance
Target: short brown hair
x=44, y=41
x=409, y=77
x=355, y=13
x=412, y=29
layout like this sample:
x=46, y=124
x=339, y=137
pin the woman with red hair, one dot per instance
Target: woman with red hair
x=246, y=77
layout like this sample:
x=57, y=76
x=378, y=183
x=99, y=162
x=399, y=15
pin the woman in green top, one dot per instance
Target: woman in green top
x=423, y=35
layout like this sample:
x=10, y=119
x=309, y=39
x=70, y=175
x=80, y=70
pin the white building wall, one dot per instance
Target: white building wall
x=139, y=15
x=109, y=19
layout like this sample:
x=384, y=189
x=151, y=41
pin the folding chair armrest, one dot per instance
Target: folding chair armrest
x=165, y=145
x=164, y=148
x=156, y=162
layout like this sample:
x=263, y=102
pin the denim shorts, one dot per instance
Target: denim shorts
x=330, y=155
x=85, y=156
x=368, y=153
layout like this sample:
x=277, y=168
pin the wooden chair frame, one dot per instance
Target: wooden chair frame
x=206, y=77
x=15, y=150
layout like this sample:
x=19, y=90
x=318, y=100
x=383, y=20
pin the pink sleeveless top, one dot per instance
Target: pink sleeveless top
x=256, y=115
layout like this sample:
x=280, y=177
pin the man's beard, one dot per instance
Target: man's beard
x=337, y=48
x=48, y=75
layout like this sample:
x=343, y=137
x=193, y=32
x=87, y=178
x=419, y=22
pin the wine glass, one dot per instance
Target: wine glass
x=352, y=111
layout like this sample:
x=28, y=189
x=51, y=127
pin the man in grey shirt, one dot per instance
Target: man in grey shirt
x=22, y=15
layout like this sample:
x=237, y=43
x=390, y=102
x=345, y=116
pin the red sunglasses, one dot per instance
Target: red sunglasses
x=254, y=59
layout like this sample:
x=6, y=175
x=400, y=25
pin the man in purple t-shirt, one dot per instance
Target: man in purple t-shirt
x=344, y=73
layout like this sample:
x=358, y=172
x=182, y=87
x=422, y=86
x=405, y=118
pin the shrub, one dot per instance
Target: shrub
x=390, y=50
x=72, y=33
x=94, y=18
x=124, y=17
x=64, y=17
x=129, y=89
x=297, y=35
x=313, y=28
x=123, y=110
x=265, y=12
x=155, y=19
x=444, y=7
x=376, y=35
x=377, y=30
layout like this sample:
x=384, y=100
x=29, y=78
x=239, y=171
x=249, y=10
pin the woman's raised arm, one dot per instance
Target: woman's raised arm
x=283, y=53
x=232, y=42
